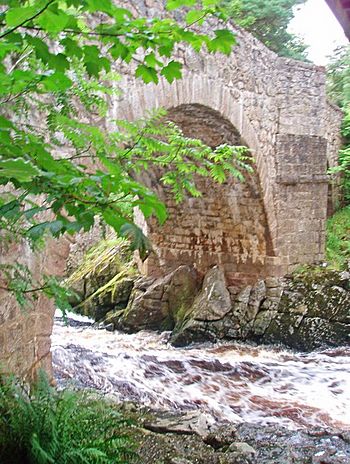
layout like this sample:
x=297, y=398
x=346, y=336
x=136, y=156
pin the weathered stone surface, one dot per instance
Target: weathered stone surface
x=276, y=219
x=192, y=422
x=156, y=307
x=213, y=302
x=25, y=333
x=241, y=444
x=312, y=311
x=241, y=449
x=257, y=296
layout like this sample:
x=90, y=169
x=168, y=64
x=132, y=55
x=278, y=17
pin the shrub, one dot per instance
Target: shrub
x=43, y=426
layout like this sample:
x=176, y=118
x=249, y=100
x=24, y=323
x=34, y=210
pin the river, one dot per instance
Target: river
x=230, y=381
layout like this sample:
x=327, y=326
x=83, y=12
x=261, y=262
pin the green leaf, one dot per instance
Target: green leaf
x=100, y=5
x=17, y=16
x=173, y=4
x=18, y=169
x=172, y=71
x=138, y=240
x=152, y=61
x=5, y=123
x=223, y=41
x=147, y=74
x=58, y=62
x=119, y=50
x=113, y=219
x=40, y=48
x=53, y=23
x=195, y=16
x=56, y=82
x=10, y=209
x=72, y=48
x=166, y=48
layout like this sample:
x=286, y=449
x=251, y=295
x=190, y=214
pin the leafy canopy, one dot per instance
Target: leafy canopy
x=268, y=21
x=338, y=77
x=59, y=168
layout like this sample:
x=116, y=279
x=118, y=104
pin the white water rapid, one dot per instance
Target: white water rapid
x=231, y=381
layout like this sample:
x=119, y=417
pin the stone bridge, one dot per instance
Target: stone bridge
x=278, y=108
x=263, y=227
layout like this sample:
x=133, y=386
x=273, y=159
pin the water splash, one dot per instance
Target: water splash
x=231, y=381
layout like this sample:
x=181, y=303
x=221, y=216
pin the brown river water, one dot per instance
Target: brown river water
x=231, y=381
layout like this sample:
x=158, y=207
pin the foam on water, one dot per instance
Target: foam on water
x=231, y=381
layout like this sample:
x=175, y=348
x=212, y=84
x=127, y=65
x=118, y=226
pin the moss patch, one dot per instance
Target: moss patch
x=105, y=278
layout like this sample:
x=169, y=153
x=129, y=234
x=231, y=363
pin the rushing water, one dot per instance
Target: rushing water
x=235, y=382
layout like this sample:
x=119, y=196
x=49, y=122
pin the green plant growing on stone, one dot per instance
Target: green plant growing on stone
x=104, y=277
x=112, y=251
x=43, y=426
x=182, y=317
x=338, y=80
x=344, y=156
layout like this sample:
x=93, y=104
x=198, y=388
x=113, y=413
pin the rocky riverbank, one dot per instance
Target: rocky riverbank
x=195, y=438
x=304, y=311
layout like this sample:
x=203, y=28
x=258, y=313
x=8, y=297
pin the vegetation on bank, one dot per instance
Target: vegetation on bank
x=104, y=277
x=44, y=426
x=338, y=239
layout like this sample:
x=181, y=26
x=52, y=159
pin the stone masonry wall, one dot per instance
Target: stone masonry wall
x=25, y=332
x=226, y=225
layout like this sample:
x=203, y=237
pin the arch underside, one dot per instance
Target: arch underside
x=227, y=225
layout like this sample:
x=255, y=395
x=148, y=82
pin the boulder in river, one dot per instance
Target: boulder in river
x=158, y=303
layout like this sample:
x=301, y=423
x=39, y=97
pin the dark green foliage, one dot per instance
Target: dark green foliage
x=338, y=238
x=43, y=426
x=268, y=21
x=344, y=156
x=338, y=77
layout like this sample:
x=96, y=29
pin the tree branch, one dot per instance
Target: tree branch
x=27, y=20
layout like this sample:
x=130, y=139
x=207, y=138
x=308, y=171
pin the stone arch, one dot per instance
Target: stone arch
x=230, y=103
x=227, y=225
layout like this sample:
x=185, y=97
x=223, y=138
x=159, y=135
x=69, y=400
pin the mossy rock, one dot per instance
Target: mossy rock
x=155, y=306
x=104, y=280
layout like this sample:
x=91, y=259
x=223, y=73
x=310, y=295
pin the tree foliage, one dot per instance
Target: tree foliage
x=59, y=170
x=268, y=21
x=338, y=76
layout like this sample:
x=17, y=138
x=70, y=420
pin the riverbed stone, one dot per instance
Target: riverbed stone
x=311, y=310
x=157, y=306
x=243, y=444
x=214, y=301
x=191, y=422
